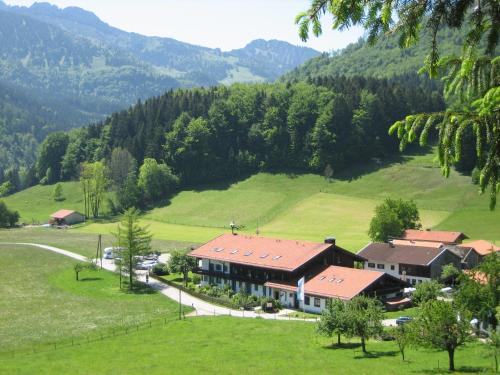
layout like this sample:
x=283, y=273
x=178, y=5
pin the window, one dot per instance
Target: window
x=291, y=295
x=307, y=300
x=218, y=267
x=217, y=280
x=224, y=267
x=380, y=266
x=413, y=281
x=317, y=302
x=420, y=281
x=371, y=265
x=392, y=267
x=255, y=287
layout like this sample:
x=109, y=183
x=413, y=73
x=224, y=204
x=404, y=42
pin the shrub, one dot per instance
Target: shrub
x=475, y=175
x=276, y=305
x=160, y=269
x=196, y=279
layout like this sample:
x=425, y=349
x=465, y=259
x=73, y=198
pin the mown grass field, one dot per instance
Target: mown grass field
x=42, y=302
x=80, y=243
x=224, y=345
x=302, y=206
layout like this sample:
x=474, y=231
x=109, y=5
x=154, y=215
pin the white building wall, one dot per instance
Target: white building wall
x=387, y=268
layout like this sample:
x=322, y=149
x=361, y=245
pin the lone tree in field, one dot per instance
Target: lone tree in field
x=94, y=181
x=402, y=336
x=181, y=263
x=472, y=80
x=333, y=320
x=134, y=240
x=364, y=316
x=58, y=192
x=391, y=219
x=442, y=326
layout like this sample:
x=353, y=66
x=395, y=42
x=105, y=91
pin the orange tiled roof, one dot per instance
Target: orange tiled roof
x=341, y=282
x=433, y=236
x=61, y=214
x=482, y=247
x=263, y=252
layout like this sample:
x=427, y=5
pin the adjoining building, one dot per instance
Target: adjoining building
x=66, y=217
x=445, y=237
x=410, y=263
x=481, y=247
x=272, y=267
x=470, y=257
x=334, y=282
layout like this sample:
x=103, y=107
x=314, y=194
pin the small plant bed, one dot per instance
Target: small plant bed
x=221, y=296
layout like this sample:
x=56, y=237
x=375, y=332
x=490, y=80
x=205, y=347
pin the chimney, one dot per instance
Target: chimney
x=330, y=240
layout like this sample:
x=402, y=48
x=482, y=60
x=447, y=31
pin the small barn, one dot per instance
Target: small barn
x=66, y=217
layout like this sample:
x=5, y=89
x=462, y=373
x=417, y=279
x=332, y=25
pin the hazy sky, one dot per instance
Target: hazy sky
x=225, y=24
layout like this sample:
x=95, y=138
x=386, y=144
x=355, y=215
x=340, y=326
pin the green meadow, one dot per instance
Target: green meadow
x=300, y=206
x=224, y=345
x=42, y=302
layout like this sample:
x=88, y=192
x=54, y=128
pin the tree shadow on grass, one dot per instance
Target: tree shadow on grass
x=91, y=279
x=462, y=369
x=344, y=345
x=372, y=354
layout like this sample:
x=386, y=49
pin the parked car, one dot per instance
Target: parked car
x=112, y=252
x=403, y=320
x=146, y=265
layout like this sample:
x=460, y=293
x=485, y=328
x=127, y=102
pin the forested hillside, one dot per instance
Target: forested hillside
x=63, y=68
x=219, y=133
x=385, y=59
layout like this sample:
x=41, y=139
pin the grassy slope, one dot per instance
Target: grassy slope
x=36, y=204
x=305, y=206
x=231, y=345
x=41, y=301
x=81, y=243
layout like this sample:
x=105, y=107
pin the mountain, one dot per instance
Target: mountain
x=385, y=59
x=191, y=65
x=70, y=68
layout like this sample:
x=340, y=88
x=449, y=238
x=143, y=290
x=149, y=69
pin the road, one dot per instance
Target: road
x=202, y=308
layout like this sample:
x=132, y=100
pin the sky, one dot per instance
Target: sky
x=224, y=24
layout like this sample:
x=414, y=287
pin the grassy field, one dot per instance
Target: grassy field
x=81, y=243
x=302, y=206
x=42, y=302
x=224, y=345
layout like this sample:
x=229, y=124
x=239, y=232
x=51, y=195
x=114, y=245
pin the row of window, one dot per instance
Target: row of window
x=317, y=301
x=380, y=266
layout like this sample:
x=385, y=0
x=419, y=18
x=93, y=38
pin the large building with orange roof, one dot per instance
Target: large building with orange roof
x=272, y=267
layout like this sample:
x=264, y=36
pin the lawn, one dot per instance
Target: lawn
x=411, y=311
x=334, y=215
x=42, y=302
x=36, y=204
x=77, y=242
x=301, y=206
x=224, y=345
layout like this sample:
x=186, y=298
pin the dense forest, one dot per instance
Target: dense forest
x=385, y=59
x=205, y=135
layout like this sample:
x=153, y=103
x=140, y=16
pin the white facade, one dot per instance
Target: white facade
x=393, y=270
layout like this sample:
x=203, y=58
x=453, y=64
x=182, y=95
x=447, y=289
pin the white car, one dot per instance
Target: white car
x=112, y=252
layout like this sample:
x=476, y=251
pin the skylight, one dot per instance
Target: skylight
x=339, y=280
x=264, y=256
x=332, y=279
x=322, y=277
x=276, y=257
x=218, y=249
x=248, y=253
x=234, y=251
